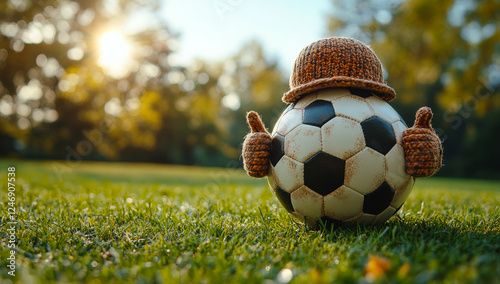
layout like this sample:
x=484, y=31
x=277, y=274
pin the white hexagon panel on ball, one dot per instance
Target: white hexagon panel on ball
x=340, y=153
x=337, y=157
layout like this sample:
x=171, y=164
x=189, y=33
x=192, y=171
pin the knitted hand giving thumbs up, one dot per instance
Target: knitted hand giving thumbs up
x=256, y=147
x=423, y=151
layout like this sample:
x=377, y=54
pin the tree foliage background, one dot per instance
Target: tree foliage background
x=57, y=99
x=60, y=100
x=444, y=55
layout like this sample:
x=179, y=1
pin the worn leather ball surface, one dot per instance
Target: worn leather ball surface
x=337, y=156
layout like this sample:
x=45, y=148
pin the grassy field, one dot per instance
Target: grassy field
x=141, y=223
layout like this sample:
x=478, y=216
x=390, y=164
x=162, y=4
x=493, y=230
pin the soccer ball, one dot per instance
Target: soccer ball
x=337, y=157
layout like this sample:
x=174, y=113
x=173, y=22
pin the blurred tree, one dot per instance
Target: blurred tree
x=97, y=80
x=250, y=81
x=73, y=69
x=206, y=121
x=223, y=93
x=444, y=55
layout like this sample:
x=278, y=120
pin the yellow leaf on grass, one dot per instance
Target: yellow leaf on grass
x=404, y=270
x=376, y=267
x=314, y=275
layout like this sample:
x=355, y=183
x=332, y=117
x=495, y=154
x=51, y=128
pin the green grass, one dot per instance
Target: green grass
x=140, y=223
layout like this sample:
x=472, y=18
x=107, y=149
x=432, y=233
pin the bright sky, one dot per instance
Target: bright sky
x=217, y=29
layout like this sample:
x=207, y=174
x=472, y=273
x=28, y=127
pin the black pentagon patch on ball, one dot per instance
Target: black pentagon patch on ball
x=378, y=200
x=284, y=198
x=324, y=173
x=318, y=113
x=360, y=92
x=277, y=149
x=379, y=134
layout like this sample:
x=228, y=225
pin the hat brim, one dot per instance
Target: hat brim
x=381, y=90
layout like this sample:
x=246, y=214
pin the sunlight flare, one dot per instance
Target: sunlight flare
x=116, y=53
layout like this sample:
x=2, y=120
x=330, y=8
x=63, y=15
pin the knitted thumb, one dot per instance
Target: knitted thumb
x=422, y=147
x=256, y=147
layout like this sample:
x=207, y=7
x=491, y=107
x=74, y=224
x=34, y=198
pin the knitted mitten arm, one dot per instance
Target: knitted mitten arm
x=256, y=147
x=422, y=147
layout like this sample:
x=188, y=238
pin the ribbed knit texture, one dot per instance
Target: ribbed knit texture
x=344, y=62
x=256, y=147
x=337, y=62
x=422, y=147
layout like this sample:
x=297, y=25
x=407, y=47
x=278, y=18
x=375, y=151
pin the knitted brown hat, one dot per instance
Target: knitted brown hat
x=337, y=62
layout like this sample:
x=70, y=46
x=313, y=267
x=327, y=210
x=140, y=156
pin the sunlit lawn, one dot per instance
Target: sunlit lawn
x=119, y=223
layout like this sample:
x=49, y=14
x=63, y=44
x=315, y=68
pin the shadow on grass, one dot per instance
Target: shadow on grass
x=425, y=236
